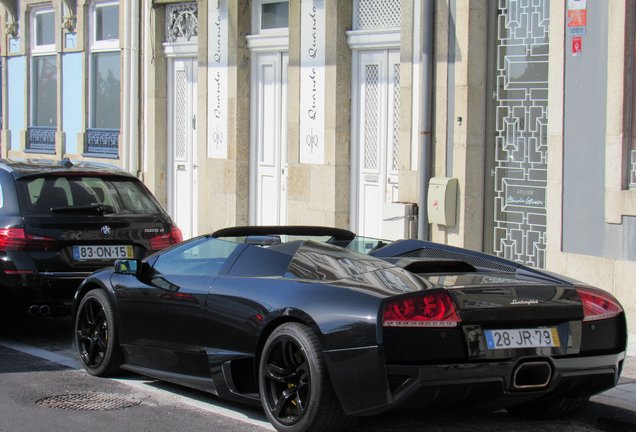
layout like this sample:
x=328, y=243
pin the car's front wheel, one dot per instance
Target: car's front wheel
x=294, y=385
x=95, y=335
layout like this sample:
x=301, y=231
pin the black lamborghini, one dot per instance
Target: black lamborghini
x=320, y=326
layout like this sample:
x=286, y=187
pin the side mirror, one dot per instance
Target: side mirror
x=127, y=266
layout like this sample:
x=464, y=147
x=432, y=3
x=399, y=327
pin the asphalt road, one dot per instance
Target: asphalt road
x=42, y=388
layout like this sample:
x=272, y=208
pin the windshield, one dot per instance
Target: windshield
x=359, y=244
x=66, y=194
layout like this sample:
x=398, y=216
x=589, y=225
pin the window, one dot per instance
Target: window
x=107, y=23
x=274, y=15
x=43, y=84
x=43, y=25
x=102, y=136
x=109, y=195
x=44, y=91
x=105, y=87
x=43, y=69
x=204, y=257
x=270, y=17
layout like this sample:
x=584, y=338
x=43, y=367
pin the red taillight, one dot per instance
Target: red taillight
x=14, y=239
x=164, y=240
x=598, y=305
x=431, y=310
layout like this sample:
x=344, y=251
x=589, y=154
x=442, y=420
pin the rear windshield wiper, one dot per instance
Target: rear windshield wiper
x=91, y=208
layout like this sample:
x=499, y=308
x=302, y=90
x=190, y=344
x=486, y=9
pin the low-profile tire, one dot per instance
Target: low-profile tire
x=294, y=385
x=96, y=336
x=549, y=409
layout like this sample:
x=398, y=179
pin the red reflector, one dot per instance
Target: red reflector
x=19, y=272
x=598, y=305
x=164, y=240
x=432, y=310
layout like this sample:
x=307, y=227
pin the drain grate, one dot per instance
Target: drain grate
x=88, y=402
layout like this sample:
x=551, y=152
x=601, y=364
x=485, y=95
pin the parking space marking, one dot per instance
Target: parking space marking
x=211, y=407
x=43, y=354
x=141, y=383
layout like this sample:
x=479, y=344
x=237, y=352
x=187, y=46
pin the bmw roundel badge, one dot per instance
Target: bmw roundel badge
x=105, y=231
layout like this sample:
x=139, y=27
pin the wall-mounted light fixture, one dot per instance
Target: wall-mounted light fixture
x=69, y=23
x=12, y=29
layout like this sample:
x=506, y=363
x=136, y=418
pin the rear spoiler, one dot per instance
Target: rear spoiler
x=337, y=234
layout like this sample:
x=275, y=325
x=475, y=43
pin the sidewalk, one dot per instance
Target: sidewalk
x=619, y=403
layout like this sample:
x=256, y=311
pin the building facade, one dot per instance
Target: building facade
x=516, y=116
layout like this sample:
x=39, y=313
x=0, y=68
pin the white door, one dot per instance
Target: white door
x=269, y=139
x=378, y=114
x=182, y=154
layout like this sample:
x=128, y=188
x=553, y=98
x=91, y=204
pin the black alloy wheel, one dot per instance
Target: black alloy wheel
x=95, y=334
x=295, y=390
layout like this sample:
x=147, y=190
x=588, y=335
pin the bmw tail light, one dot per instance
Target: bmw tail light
x=598, y=305
x=431, y=310
x=15, y=239
x=163, y=240
x=12, y=239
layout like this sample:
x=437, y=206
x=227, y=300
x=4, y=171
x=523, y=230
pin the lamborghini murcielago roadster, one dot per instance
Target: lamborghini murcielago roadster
x=320, y=326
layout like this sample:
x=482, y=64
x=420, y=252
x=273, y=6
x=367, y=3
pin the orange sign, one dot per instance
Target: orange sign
x=577, y=18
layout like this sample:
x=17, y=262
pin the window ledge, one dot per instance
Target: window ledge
x=100, y=156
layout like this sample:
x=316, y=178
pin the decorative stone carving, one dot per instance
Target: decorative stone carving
x=182, y=24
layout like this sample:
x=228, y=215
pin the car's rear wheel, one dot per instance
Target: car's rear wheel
x=549, y=409
x=95, y=335
x=294, y=386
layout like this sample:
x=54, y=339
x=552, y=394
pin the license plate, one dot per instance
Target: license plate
x=522, y=338
x=89, y=253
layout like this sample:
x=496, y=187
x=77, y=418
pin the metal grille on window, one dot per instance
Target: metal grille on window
x=41, y=139
x=103, y=142
x=371, y=117
x=180, y=112
x=520, y=169
x=374, y=14
x=182, y=24
x=396, y=117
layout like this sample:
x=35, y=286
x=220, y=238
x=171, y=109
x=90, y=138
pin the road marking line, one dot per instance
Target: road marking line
x=213, y=407
x=43, y=354
x=141, y=383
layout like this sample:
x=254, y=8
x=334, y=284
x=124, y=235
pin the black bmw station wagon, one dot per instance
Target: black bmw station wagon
x=60, y=221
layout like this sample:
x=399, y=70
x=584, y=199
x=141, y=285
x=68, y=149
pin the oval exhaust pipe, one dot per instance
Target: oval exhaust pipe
x=33, y=310
x=532, y=375
x=45, y=310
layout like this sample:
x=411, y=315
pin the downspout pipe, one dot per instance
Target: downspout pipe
x=426, y=110
x=131, y=88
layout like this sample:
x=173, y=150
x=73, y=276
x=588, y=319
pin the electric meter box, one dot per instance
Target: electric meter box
x=442, y=201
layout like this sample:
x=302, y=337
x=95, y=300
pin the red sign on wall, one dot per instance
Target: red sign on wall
x=577, y=46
